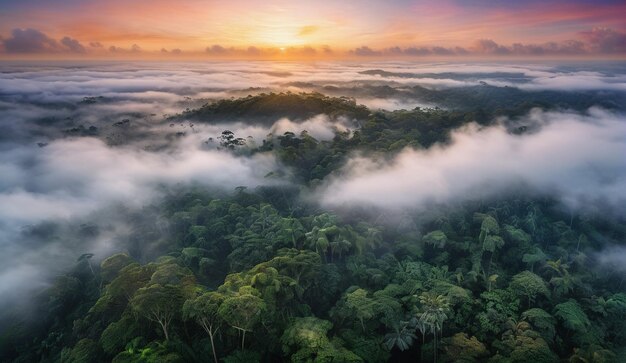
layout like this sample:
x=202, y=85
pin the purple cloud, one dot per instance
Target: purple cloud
x=218, y=50
x=29, y=41
x=366, y=51
x=605, y=40
x=73, y=45
x=417, y=51
x=442, y=51
x=133, y=49
x=488, y=46
x=34, y=41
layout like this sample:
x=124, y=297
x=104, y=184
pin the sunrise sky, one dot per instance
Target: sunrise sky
x=311, y=29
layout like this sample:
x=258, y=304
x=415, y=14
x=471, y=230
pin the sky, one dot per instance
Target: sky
x=310, y=29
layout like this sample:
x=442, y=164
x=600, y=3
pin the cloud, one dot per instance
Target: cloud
x=612, y=258
x=95, y=44
x=460, y=51
x=366, y=51
x=64, y=188
x=488, y=46
x=34, y=41
x=391, y=104
x=417, y=51
x=259, y=52
x=320, y=127
x=605, y=40
x=592, y=76
x=409, y=51
x=253, y=51
x=174, y=51
x=29, y=41
x=50, y=94
x=569, y=47
x=51, y=185
x=304, y=51
x=593, y=42
x=442, y=51
x=73, y=45
x=575, y=157
x=219, y=50
x=307, y=30
x=119, y=50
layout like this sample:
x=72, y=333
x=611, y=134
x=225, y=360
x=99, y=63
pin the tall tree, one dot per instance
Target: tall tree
x=434, y=311
x=158, y=303
x=362, y=305
x=242, y=311
x=204, y=310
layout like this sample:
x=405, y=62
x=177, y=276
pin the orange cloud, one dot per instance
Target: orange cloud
x=307, y=30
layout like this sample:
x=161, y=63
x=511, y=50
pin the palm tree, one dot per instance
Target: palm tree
x=339, y=247
x=401, y=337
x=434, y=312
x=423, y=328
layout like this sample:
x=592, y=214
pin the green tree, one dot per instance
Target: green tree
x=335, y=352
x=129, y=279
x=242, y=311
x=496, y=308
x=593, y=354
x=85, y=351
x=537, y=256
x=461, y=349
x=158, y=303
x=437, y=239
x=434, y=312
x=562, y=281
x=111, y=266
x=488, y=227
x=490, y=240
x=522, y=344
x=204, y=310
x=401, y=337
x=542, y=321
x=305, y=337
x=117, y=334
x=572, y=316
x=529, y=285
x=362, y=305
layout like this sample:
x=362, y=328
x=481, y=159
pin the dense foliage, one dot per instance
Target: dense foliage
x=261, y=275
x=270, y=107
